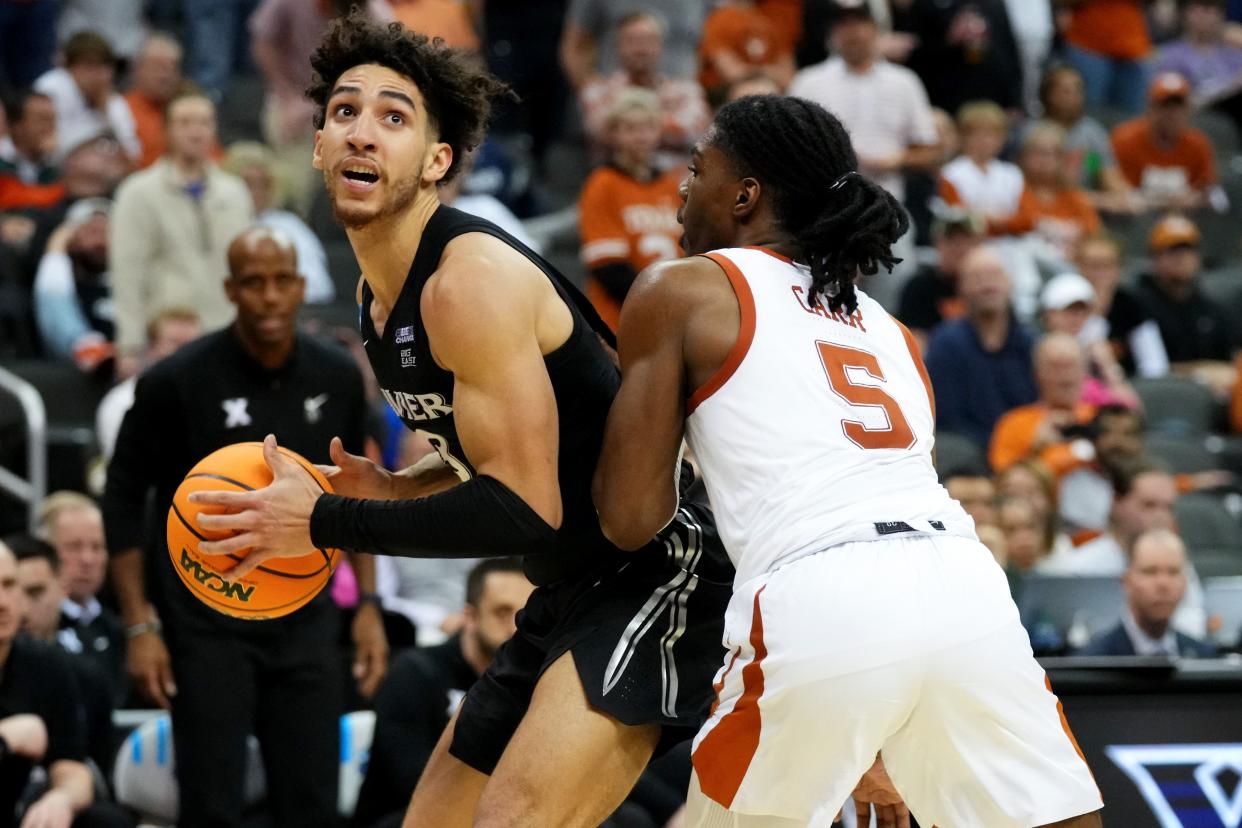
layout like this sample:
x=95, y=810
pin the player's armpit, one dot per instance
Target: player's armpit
x=635, y=488
x=484, y=310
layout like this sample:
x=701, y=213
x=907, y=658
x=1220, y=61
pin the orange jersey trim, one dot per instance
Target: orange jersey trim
x=745, y=333
x=917, y=356
x=725, y=754
x=1069, y=734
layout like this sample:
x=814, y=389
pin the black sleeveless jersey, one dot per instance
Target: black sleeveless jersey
x=584, y=380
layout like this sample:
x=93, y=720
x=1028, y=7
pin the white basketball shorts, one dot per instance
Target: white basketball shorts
x=907, y=646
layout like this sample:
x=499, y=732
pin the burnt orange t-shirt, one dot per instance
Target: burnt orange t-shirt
x=1070, y=206
x=1136, y=151
x=1013, y=439
x=1113, y=28
x=622, y=219
x=448, y=19
x=744, y=32
x=785, y=16
x=149, y=124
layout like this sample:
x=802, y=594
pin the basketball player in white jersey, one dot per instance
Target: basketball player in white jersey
x=866, y=616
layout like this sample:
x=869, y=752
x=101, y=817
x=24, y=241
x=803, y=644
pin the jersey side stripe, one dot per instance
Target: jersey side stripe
x=918, y=363
x=745, y=333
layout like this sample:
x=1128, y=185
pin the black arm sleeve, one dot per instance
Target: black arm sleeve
x=481, y=518
x=616, y=277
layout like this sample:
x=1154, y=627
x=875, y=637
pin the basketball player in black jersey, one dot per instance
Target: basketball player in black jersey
x=482, y=346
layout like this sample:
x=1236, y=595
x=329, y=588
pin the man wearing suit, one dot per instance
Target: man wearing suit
x=1154, y=583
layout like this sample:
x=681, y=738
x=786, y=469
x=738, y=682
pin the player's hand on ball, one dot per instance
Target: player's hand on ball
x=272, y=522
x=355, y=476
x=876, y=792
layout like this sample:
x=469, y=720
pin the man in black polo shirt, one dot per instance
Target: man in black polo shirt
x=425, y=686
x=41, y=723
x=1198, y=334
x=222, y=677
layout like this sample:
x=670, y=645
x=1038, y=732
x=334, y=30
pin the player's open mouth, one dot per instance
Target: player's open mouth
x=359, y=178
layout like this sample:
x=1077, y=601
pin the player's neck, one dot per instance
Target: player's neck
x=385, y=247
x=771, y=238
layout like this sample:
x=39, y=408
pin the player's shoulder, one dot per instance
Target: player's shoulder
x=476, y=269
x=681, y=279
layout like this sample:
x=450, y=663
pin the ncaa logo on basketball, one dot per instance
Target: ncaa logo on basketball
x=214, y=581
x=1186, y=785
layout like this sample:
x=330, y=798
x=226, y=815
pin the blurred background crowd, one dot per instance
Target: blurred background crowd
x=1073, y=272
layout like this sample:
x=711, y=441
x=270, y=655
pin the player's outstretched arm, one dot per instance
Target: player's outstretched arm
x=635, y=486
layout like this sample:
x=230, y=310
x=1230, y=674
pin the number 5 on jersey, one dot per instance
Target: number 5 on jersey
x=836, y=360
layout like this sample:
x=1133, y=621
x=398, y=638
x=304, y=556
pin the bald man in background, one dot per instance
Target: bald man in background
x=1054, y=429
x=280, y=677
x=1155, y=583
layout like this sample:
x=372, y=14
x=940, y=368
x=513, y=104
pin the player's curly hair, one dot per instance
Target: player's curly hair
x=457, y=89
x=843, y=223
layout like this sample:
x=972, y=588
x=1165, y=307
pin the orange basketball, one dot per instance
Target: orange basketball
x=277, y=588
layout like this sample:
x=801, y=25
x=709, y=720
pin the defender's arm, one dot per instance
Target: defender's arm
x=635, y=487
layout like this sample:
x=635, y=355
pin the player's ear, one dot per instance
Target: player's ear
x=317, y=155
x=439, y=159
x=747, y=197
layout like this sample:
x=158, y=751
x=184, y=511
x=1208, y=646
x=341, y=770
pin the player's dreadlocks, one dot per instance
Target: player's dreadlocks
x=843, y=223
x=457, y=90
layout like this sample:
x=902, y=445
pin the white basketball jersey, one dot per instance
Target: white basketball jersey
x=818, y=428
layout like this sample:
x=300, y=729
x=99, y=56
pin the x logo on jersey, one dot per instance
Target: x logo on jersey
x=235, y=414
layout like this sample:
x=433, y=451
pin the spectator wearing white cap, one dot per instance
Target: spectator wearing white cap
x=1069, y=305
x=72, y=294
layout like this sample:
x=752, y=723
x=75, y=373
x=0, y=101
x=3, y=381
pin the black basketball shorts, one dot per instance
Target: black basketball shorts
x=646, y=639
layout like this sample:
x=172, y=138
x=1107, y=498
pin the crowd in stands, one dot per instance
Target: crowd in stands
x=1073, y=274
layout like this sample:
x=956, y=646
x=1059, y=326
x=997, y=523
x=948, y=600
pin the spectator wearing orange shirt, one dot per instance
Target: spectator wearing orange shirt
x=737, y=40
x=1108, y=43
x=628, y=208
x=1052, y=429
x=1161, y=153
x=156, y=78
x=1052, y=205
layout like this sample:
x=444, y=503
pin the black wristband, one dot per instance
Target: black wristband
x=481, y=518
